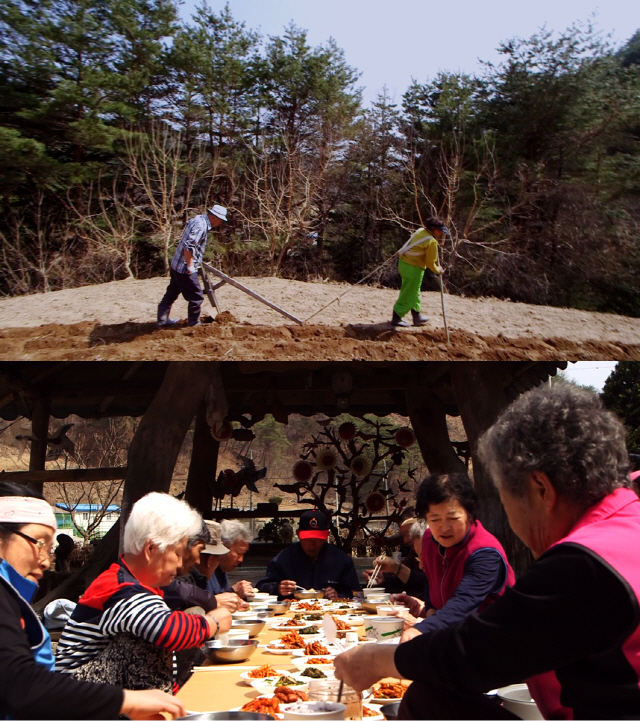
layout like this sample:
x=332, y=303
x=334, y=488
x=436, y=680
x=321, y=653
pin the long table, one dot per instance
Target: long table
x=220, y=688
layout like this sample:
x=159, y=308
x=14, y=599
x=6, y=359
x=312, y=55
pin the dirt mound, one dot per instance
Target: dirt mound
x=87, y=323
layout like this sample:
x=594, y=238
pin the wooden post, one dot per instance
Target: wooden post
x=429, y=421
x=158, y=439
x=204, y=464
x=479, y=390
x=39, y=436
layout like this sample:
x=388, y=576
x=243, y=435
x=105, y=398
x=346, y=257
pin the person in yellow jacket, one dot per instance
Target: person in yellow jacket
x=416, y=255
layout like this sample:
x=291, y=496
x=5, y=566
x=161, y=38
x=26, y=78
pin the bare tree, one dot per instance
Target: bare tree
x=97, y=445
x=279, y=197
x=33, y=253
x=162, y=179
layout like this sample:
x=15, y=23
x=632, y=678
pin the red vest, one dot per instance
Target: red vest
x=611, y=529
x=444, y=572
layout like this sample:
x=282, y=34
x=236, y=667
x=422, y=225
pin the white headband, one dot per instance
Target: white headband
x=24, y=509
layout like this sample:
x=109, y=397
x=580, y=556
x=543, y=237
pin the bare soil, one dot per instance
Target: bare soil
x=116, y=321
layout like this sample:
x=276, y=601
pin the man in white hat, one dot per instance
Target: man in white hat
x=184, y=266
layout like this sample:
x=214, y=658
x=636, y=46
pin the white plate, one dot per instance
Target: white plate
x=285, y=629
x=379, y=715
x=265, y=695
x=328, y=671
x=270, y=684
x=381, y=701
x=301, y=662
x=279, y=651
x=333, y=651
x=248, y=679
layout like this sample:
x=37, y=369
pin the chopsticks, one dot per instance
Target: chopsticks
x=374, y=575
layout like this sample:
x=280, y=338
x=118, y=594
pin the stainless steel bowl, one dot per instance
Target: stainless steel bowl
x=308, y=594
x=277, y=609
x=390, y=710
x=239, y=715
x=236, y=650
x=253, y=625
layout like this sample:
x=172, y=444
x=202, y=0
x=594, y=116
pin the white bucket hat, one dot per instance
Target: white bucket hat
x=219, y=211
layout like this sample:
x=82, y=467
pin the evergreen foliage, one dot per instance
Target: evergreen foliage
x=621, y=394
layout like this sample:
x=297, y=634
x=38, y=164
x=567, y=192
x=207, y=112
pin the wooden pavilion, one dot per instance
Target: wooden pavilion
x=169, y=395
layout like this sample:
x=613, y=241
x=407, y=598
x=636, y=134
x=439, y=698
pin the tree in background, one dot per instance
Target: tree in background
x=621, y=394
x=98, y=444
x=535, y=163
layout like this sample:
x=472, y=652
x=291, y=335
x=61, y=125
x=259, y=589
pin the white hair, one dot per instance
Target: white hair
x=161, y=518
x=417, y=530
x=233, y=531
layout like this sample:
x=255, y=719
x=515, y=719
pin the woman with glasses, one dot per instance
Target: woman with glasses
x=29, y=685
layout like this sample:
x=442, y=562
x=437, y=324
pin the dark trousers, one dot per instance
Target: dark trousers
x=423, y=701
x=189, y=287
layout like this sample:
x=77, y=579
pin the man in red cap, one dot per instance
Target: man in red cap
x=312, y=563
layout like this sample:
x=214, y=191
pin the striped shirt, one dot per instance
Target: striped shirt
x=116, y=602
x=194, y=239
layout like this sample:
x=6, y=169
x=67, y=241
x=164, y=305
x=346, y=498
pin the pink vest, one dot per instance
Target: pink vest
x=611, y=529
x=444, y=573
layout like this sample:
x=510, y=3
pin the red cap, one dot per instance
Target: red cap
x=313, y=524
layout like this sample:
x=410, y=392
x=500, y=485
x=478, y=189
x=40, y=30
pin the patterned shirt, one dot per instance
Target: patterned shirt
x=194, y=239
x=116, y=602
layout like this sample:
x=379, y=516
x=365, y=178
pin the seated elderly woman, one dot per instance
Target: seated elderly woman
x=465, y=566
x=29, y=686
x=122, y=631
x=570, y=625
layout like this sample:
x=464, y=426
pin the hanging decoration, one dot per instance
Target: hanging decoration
x=405, y=437
x=222, y=431
x=302, y=471
x=326, y=459
x=347, y=431
x=375, y=502
x=360, y=466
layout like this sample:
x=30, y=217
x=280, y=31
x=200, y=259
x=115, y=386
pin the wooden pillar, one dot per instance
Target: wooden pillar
x=429, y=421
x=158, y=439
x=39, y=434
x=204, y=464
x=479, y=390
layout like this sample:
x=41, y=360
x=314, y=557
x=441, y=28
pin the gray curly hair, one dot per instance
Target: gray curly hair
x=563, y=431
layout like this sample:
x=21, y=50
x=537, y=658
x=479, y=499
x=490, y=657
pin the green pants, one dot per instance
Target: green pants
x=409, y=298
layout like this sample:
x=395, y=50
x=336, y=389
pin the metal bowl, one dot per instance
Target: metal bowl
x=236, y=650
x=253, y=625
x=390, y=710
x=277, y=609
x=239, y=715
x=308, y=594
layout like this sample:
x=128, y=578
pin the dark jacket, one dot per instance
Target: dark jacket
x=332, y=568
x=189, y=590
x=29, y=691
x=219, y=582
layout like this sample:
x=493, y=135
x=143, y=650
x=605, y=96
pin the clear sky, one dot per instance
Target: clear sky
x=390, y=43
x=590, y=373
